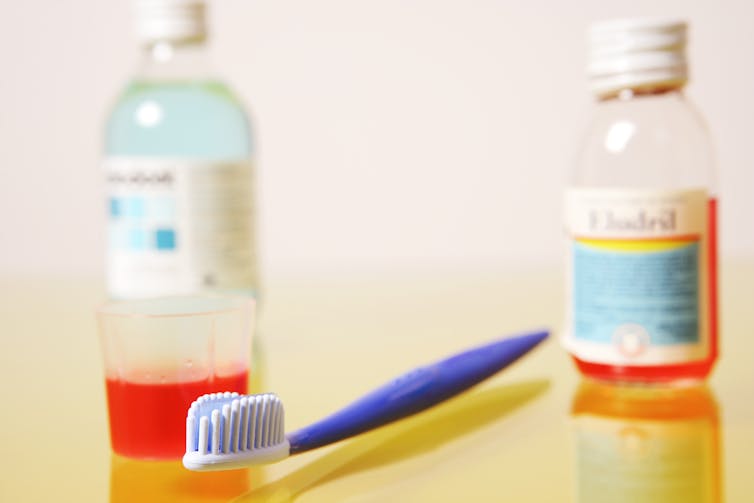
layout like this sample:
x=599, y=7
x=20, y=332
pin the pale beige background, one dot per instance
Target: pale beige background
x=392, y=134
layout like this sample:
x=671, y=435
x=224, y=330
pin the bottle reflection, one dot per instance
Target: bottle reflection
x=646, y=444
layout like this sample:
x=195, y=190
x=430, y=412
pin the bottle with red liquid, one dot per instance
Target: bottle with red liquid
x=640, y=214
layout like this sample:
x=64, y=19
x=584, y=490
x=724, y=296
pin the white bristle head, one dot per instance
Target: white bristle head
x=253, y=418
x=190, y=431
x=215, y=431
x=262, y=421
x=235, y=419
x=276, y=420
x=228, y=430
x=203, y=436
x=243, y=432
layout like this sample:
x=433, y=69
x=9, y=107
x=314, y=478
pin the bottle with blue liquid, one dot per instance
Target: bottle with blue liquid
x=178, y=169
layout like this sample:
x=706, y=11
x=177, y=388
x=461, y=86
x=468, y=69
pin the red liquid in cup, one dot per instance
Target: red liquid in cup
x=149, y=420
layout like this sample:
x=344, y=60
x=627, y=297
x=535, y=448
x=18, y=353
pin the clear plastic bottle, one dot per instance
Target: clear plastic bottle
x=640, y=215
x=178, y=167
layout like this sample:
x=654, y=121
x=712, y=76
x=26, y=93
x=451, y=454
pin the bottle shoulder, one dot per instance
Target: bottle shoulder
x=655, y=141
x=675, y=116
x=191, y=95
x=197, y=118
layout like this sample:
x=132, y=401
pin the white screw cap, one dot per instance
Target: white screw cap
x=170, y=20
x=637, y=53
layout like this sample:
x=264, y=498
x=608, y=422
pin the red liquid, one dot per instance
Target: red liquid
x=693, y=371
x=149, y=420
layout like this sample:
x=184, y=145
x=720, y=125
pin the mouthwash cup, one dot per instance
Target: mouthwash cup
x=162, y=354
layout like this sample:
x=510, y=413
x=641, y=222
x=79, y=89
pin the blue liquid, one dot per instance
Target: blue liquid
x=189, y=121
x=199, y=120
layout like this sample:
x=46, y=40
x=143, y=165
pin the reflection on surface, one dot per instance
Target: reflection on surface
x=403, y=440
x=157, y=481
x=646, y=444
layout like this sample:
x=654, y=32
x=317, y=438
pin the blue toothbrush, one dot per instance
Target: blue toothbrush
x=228, y=430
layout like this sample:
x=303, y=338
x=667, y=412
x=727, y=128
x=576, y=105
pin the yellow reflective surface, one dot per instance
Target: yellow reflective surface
x=535, y=432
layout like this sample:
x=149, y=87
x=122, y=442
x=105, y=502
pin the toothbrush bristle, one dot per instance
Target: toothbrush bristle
x=203, y=435
x=221, y=424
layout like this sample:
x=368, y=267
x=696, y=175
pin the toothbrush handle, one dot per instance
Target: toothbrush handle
x=415, y=391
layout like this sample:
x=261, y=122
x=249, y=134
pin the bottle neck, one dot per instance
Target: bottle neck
x=631, y=93
x=170, y=60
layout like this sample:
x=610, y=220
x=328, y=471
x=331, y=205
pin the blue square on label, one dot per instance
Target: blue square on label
x=115, y=207
x=134, y=207
x=165, y=239
x=137, y=239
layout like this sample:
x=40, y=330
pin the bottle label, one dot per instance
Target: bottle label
x=638, y=276
x=179, y=227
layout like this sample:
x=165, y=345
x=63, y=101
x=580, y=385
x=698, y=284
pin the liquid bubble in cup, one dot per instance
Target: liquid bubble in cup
x=160, y=355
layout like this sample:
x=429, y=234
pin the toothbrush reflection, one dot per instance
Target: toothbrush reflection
x=648, y=445
x=402, y=441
